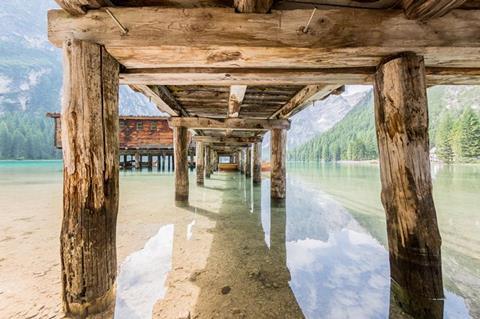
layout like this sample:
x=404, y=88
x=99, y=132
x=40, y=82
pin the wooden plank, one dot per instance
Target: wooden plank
x=79, y=7
x=165, y=94
x=428, y=9
x=230, y=76
x=226, y=140
x=152, y=93
x=218, y=36
x=253, y=6
x=247, y=76
x=90, y=179
x=257, y=163
x=229, y=123
x=303, y=97
x=401, y=114
x=237, y=94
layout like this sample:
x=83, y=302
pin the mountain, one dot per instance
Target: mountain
x=31, y=68
x=353, y=138
x=31, y=81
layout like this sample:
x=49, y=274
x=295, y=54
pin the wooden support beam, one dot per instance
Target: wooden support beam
x=248, y=161
x=200, y=164
x=428, y=9
x=302, y=98
x=226, y=140
x=230, y=123
x=414, y=241
x=237, y=94
x=80, y=7
x=151, y=92
x=282, y=76
x=208, y=160
x=219, y=37
x=180, y=147
x=90, y=146
x=278, y=163
x=257, y=163
x=252, y=6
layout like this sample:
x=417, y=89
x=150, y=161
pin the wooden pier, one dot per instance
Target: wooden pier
x=230, y=72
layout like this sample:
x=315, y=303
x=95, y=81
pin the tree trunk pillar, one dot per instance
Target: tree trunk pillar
x=248, y=162
x=200, y=163
x=90, y=147
x=278, y=163
x=180, y=147
x=257, y=163
x=138, y=160
x=207, y=161
x=414, y=241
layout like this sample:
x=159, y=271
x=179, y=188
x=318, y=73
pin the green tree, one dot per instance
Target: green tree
x=443, y=139
x=466, y=136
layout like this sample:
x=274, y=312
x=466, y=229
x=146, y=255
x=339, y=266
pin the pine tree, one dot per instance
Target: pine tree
x=443, y=139
x=466, y=136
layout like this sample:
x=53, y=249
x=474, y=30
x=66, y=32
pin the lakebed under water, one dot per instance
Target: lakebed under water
x=232, y=253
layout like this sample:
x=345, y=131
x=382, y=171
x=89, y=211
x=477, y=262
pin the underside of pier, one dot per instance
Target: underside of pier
x=228, y=72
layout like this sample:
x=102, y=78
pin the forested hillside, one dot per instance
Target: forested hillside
x=454, y=130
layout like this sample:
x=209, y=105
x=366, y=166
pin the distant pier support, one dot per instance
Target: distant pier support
x=138, y=161
x=257, y=163
x=90, y=143
x=413, y=237
x=278, y=163
x=180, y=146
x=200, y=164
x=248, y=162
x=207, y=161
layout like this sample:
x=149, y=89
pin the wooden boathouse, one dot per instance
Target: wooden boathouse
x=231, y=71
x=139, y=137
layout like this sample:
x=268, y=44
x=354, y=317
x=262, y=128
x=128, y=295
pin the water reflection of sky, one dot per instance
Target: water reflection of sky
x=141, y=281
x=338, y=269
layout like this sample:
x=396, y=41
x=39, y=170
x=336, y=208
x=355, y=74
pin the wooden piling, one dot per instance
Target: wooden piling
x=257, y=163
x=150, y=162
x=138, y=161
x=207, y=162
x=414, y=241
x=200, y=164
x=278, y=163
x=180, y=146
x=248, y=162
x=90, y=144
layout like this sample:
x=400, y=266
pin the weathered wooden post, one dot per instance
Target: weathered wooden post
x=192, y=161
x=180, y=147
x=212, y=161
x=90, y=178
x=150, y=162
x=163, y=162
x=278, y=163
x=207, y=161
x=248, y=162
x=158, y=162
x=200, y=163
x=414, y=241
x=173, y=161
x=257, y=163
x=242, y=161
x=169, y=163
x=138, y=161
x=125, y=161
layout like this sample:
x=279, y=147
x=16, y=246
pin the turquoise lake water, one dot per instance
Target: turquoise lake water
x=322, y=255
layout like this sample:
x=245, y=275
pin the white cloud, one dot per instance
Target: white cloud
x=4, y=84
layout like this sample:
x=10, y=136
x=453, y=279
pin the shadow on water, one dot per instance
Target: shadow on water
x=306, y=257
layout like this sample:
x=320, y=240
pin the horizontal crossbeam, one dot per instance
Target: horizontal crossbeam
x=229, y=123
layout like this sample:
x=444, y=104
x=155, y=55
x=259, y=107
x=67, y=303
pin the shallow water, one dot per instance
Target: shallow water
x=232, y=253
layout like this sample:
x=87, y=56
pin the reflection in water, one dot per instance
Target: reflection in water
x=308, y=257
x=142, y=276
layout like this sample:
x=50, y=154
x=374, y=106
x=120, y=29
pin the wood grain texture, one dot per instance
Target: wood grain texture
x=248, y=161
x=336, y=37
x=180, y=147
x=278, y=163
x=401, y=116
x=79, y=7
x=252, y=6
x=90, y=180
x=237, y=93
x=208, y=160
x=152, y=93
x=257, y=163
x=428, y=9
x=226, y=140
x=200, y=163
x=229, y=123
